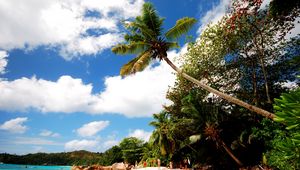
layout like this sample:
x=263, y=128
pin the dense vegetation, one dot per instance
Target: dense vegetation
x=64, y=158
x=248, y=55
x=130, y=150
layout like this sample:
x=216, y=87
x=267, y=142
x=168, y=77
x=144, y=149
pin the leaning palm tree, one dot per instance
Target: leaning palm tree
x=146, y=39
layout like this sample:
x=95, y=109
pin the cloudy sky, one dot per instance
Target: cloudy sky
x=59, y=83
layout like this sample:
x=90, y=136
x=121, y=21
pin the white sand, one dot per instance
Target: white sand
x=155, y=168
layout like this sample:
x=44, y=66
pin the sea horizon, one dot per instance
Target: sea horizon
x=35, y=167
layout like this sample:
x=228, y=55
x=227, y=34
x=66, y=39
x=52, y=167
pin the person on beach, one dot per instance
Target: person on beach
x=185, y=163
x=171, y=165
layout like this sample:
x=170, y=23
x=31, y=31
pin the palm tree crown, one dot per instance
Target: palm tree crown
x=145, y=38
x=162, y=135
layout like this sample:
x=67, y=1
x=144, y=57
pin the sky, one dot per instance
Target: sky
x=60, y=88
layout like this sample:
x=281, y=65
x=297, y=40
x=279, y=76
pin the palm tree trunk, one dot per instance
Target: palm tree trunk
x=220, y=94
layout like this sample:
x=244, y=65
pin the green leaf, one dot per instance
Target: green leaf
x=132, y=48
x=142, y=62
x=120, y=49
x=182, y=26
x=172, y=45
x=287, y=109
x=137, y=64
x=292, y=126
x=142, y=28
x=151, y=19
x=127, y=68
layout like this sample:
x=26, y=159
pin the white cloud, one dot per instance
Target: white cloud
x=81, y=145
x=214, y=15
x=15, y=125
x=33, y=141
x=127, y=8
x=264, y=4
x=90, y=45
x=3, y=61
x=291, y=85
x=48, y=133
x=138, y=95
x=110, y=143
x=38, y=149
x=65, y=95
x=140, y=134
x=295, y=31
x=92, y=128
x=64, y=23
x=95, y=145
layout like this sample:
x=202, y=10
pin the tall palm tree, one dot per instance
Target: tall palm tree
x=162, y=135
x=146, y=39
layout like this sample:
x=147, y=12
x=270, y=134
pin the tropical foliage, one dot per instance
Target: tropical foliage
x=65, y=158
x=132, y=150
x=247, y=56
x=145, y=38
x=285, y=153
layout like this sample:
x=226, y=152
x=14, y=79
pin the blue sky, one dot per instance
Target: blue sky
x=59, y=83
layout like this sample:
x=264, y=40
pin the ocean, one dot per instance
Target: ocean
x=32, y=167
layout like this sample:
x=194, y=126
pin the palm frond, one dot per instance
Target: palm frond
x=132, y=48
x=171, y=45
x=151, y=18
x=182, y=26
x=137, y=64
x=142, y=62
x=154, y=124
x=120, y=49
x=127, y=68
x=133, y=37
x=140, y=28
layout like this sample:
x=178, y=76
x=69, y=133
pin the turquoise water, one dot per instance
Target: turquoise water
x=32, y=167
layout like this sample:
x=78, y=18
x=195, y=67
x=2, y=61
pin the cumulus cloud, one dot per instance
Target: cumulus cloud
x=65, y=95
x=33, y=141
x=90, y=45
x=138, y=95
x=3, y=61
x=95, y=145
x=15, y=125
x=214, y=15
x=110, y=143
x=64, y=24
x=48, y=133
x=140, y=134
x=81, y=145
x=92, y=128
